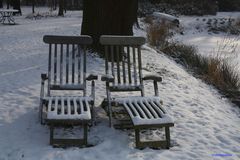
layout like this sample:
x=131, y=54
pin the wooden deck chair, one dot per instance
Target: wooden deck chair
x=67, y=73
x=123, y=67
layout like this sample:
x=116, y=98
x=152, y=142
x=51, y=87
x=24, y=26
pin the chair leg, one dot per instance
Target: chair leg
x=137, y=138
x=51, y=133
x=85, y=133
x=167, y=134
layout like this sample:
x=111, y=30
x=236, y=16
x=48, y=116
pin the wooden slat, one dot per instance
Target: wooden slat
x=133, y=109
x=73, y=63
x=49, y=104
x=75, y=106
x=67, y=64
x=129, y=65
x=81, y=106
x=146, y=111
x=118, y=65
x=79, y=64
x=123, y=64
x=49, y=67
x=55, y=64
x=61, y=64
x=153, y=112
x=121, y=40
x=139, y=64
x=106, y=59
x=56, y=105
x=68, y=106
x=139, y=109
x=67, y=87
x=83, y=39
x=62, y=105
x=155, y=107
x=84, y=68
x=128, y=110
x=134, y=66
x=112, y=62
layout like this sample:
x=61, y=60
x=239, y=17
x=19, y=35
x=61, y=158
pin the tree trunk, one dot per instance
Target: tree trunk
x=108, y=17
x=61, y=7
x=16, y=5
x=33, y=6
x=8, y=4
x=1, y=4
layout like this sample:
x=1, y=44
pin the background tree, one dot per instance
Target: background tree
x=1, y=4
x=61, y=8
x=108, y=17
x=33, y=6
x=17, y=5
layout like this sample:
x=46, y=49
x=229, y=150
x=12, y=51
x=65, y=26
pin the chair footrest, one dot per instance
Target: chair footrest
x=146, y=111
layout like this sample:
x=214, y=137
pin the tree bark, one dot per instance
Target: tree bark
x=108, y=17
x=17, y=5
x=33, y=6
x=1, y=4
x=61, y=7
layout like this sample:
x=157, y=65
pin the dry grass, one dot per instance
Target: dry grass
x=159, y=33
x=215, y=70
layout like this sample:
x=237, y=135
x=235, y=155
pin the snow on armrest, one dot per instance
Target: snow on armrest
x=153, y=77
x=108, y=78
x=92, y=77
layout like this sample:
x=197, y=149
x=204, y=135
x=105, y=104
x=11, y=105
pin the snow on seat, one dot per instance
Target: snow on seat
x=68, y=108
x=145, y=110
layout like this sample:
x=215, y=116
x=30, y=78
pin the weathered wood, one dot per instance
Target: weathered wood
x=67, y=64
x=84, y=68
x=55, y=63
x=144, y=112
x=61, y=64
x=118, y=65
x=134, y=66
x=167, y=135
x=53, y=39
x=49, y=68
x=123, y=64
x=112, y=62
x=129, y=65
x=153, y=77
x=67, y=71
x=121, y=40
x=73, y=63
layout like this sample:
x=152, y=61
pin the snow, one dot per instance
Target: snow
x=210, y=44
x=53, y=114
x=206, y=125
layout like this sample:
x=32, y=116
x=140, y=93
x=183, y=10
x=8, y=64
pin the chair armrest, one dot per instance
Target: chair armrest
x=44, y=76
x=107, y=78
x=153, y=77
x=92, y=77
x=155, y=80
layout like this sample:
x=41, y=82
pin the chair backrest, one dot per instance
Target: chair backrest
x=123, y=62
x=67, y=62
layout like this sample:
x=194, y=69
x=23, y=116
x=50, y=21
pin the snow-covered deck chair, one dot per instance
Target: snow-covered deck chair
x=123, y=67
x=67, y=73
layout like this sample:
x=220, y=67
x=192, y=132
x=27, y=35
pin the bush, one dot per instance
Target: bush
x=215, y=70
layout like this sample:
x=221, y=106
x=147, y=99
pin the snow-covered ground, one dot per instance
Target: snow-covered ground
x=207, y=126
x=208, y=43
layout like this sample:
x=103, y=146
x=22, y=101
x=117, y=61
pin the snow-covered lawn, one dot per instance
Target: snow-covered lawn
x=208, y=43
x=206, y=124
